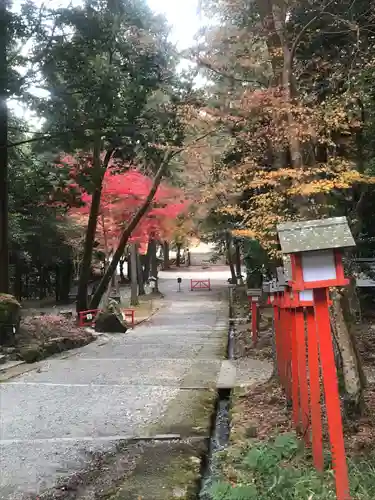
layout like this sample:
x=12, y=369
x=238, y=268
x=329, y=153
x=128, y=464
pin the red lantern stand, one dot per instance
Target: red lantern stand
x=299, y=302
x=314, y=386
x=253, y=299
x=272, y=301
x=283, y=341
x=315, y=252
x=279, y=322
x=292, y=353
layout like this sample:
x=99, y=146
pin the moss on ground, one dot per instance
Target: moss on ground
x=166, y=471
x=189, y=414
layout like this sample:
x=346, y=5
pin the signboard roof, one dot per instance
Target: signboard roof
x=322, y=234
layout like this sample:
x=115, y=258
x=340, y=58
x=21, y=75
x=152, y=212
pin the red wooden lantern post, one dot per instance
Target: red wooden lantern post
x=273, y=291
x=303, y=299
x=253, y=295
x=316, y=413
x=294, y=354
x=287, y=349
x=315, y=248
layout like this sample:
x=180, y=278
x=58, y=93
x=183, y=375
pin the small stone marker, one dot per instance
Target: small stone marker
x=66, y=314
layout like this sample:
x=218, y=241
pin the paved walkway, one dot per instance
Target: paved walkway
x=53, y=419
x=160, y=378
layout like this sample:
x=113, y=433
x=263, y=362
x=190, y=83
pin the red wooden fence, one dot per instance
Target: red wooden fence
x=200, y=285
x=305, y=359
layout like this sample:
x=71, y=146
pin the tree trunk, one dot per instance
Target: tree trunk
x=57, y=283
x=154, y=263
x=228, y=240
x=66, y=275
x=166, y=255
x=147, y=263
x=238, y=259
x=98, y=171
x=122, y=276
x=42, y=283
x=127, y=233
x=141, y=284
x=17, y=277
x=27, y=285
x=129, y=274
x=4, y=217
x=134, y=278
x=352, y=371
x=178, y=256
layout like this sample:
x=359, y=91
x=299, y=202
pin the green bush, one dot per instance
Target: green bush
x=9, y=308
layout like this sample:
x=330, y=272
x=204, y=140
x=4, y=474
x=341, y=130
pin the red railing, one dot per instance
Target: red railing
x=129, y=313
x=87, y=318
x=200, y=285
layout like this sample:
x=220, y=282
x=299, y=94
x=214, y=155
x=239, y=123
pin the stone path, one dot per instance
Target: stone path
x=160, y=378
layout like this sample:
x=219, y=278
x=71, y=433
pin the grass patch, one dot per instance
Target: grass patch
x=277, y=469
x=266, y=460
x=281, y=469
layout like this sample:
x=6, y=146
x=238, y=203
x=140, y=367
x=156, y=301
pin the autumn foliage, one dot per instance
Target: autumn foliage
x=123, y=192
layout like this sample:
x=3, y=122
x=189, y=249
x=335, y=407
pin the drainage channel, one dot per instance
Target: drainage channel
x=220, y=430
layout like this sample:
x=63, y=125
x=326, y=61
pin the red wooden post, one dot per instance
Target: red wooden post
x=254, y=321
x=287, y=351
x=278, y=340
x=332, y=399
x=295, y=369
x=284, y=341
x=282, y=337
x=316, y=414
x=302, y=373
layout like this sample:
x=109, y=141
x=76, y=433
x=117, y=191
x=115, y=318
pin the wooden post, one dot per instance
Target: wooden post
x=302, y=372
x=288, y=353
x=283, y=347
x=332, y=399
x=315, y=410
x=295, y=369
x=254, y=321
x=278, y=341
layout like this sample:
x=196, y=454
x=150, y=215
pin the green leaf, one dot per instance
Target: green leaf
x=252, y=458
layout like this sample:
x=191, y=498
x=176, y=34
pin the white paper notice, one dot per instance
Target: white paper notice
x=318, y=266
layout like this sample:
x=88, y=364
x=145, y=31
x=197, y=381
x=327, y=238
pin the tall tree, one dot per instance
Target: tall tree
x=4, y=251
x=103, y=64
x=293, y=130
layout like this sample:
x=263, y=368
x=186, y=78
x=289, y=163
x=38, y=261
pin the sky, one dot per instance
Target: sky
x=182, y=15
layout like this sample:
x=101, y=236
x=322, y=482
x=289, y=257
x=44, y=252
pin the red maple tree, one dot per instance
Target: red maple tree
x=122, y=195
